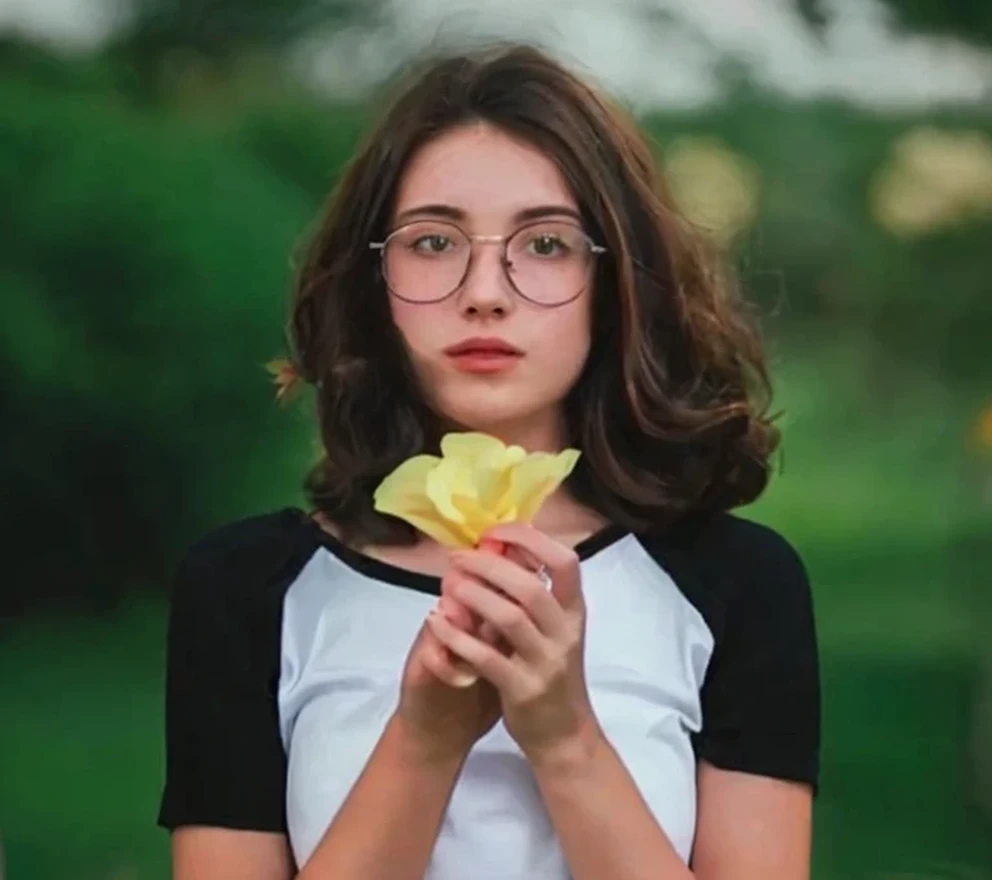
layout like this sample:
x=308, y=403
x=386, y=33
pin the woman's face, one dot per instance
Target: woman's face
x=486, y=357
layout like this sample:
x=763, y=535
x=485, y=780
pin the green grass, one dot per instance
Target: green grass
x=891, y=537
x=80, y=748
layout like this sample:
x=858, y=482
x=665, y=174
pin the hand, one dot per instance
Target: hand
x=541, y=680
x=444, y=707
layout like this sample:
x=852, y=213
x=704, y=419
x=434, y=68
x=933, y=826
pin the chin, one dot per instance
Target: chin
x=486, y=410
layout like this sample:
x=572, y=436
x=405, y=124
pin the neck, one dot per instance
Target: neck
x=561, y=516
x=545, y=433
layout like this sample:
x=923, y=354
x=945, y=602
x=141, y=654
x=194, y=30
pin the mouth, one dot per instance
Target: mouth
x=483, y=346
x=483, y=355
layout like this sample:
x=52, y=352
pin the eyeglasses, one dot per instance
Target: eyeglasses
x=548, y=263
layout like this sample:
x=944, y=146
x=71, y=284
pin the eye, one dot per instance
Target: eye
x=432, y=244
x=547, y=245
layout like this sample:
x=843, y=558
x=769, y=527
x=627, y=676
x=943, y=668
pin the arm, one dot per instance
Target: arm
x=748, y=828
x=225, y=790
x=603, y=824
x=203, y=853
x=605, y=829
x=752, y=827
x=758, y=751
x=407, y=794
x=224, y=793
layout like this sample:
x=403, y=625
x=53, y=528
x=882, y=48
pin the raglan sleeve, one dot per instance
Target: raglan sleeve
x=761, y=696
x=225, y=764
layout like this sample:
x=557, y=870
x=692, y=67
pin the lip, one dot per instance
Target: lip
x=488, y=345
x=483, y=355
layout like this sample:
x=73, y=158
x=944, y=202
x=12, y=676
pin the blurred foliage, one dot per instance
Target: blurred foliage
x=817, y=253
x=163, y=39
x=147, y=250
x=969, y=20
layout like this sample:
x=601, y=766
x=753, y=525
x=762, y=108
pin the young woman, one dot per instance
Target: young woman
x=500, y=258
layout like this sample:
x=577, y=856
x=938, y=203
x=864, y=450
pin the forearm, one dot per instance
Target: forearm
x=387, y=826
x=606, y=830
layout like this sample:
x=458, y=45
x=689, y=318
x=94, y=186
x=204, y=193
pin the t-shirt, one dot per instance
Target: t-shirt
x=285, y=651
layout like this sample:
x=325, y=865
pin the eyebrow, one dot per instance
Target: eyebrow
x=450, y=212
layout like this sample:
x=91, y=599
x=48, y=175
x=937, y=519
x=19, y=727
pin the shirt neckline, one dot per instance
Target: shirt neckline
x=387, y=572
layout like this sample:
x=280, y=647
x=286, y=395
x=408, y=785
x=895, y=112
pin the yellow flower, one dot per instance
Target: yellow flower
x=477, y=483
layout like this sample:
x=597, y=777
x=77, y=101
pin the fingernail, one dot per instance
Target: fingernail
x=464, y=679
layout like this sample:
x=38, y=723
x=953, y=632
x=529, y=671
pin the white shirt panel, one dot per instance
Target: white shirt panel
x=346, y=637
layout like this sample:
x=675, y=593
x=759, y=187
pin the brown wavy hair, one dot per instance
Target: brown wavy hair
x=671, y=410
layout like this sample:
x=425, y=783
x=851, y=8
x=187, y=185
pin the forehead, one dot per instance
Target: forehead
x=483, y=171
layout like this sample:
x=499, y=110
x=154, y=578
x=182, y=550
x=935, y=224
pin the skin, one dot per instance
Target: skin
x=749, y=827
x=491, y=178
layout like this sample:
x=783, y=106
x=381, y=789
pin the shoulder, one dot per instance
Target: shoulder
x=751, y=560
x=248, y=542
x=734, y=569
x=761, y=695
x=730, y=540
x=232, y=580
x=225, y=765
x=756, y=570
x=745, y=540
x=728, y=548
x=252, y=550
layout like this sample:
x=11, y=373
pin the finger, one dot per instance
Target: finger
x=514, y=554
x=520, y=585
x=522, y=558
x=500, y=671
x=463, y=618
x=491, y=545
x=457, y=613
x=509, y=619
x=444, y=665
x=560, y=562
x=489, y=634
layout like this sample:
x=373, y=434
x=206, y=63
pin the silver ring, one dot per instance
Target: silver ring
x=545, y=577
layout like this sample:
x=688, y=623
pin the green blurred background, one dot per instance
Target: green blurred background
x=161, y=163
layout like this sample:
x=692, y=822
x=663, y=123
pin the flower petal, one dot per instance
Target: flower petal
x=477, y=522
x=477, y=484
x=448, y=479
x=402, y=494
x=472, y=447
x=537, y=477
x=409, y=479
x=435, y=526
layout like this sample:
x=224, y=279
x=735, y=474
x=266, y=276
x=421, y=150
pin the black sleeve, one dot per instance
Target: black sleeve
x=225, y=762
x=761, y=697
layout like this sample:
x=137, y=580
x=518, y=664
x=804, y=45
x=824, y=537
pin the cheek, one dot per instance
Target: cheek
x=559, y=351
x=571, y=326
x=414, y=323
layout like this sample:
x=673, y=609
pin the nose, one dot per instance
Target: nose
x=486, y=289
